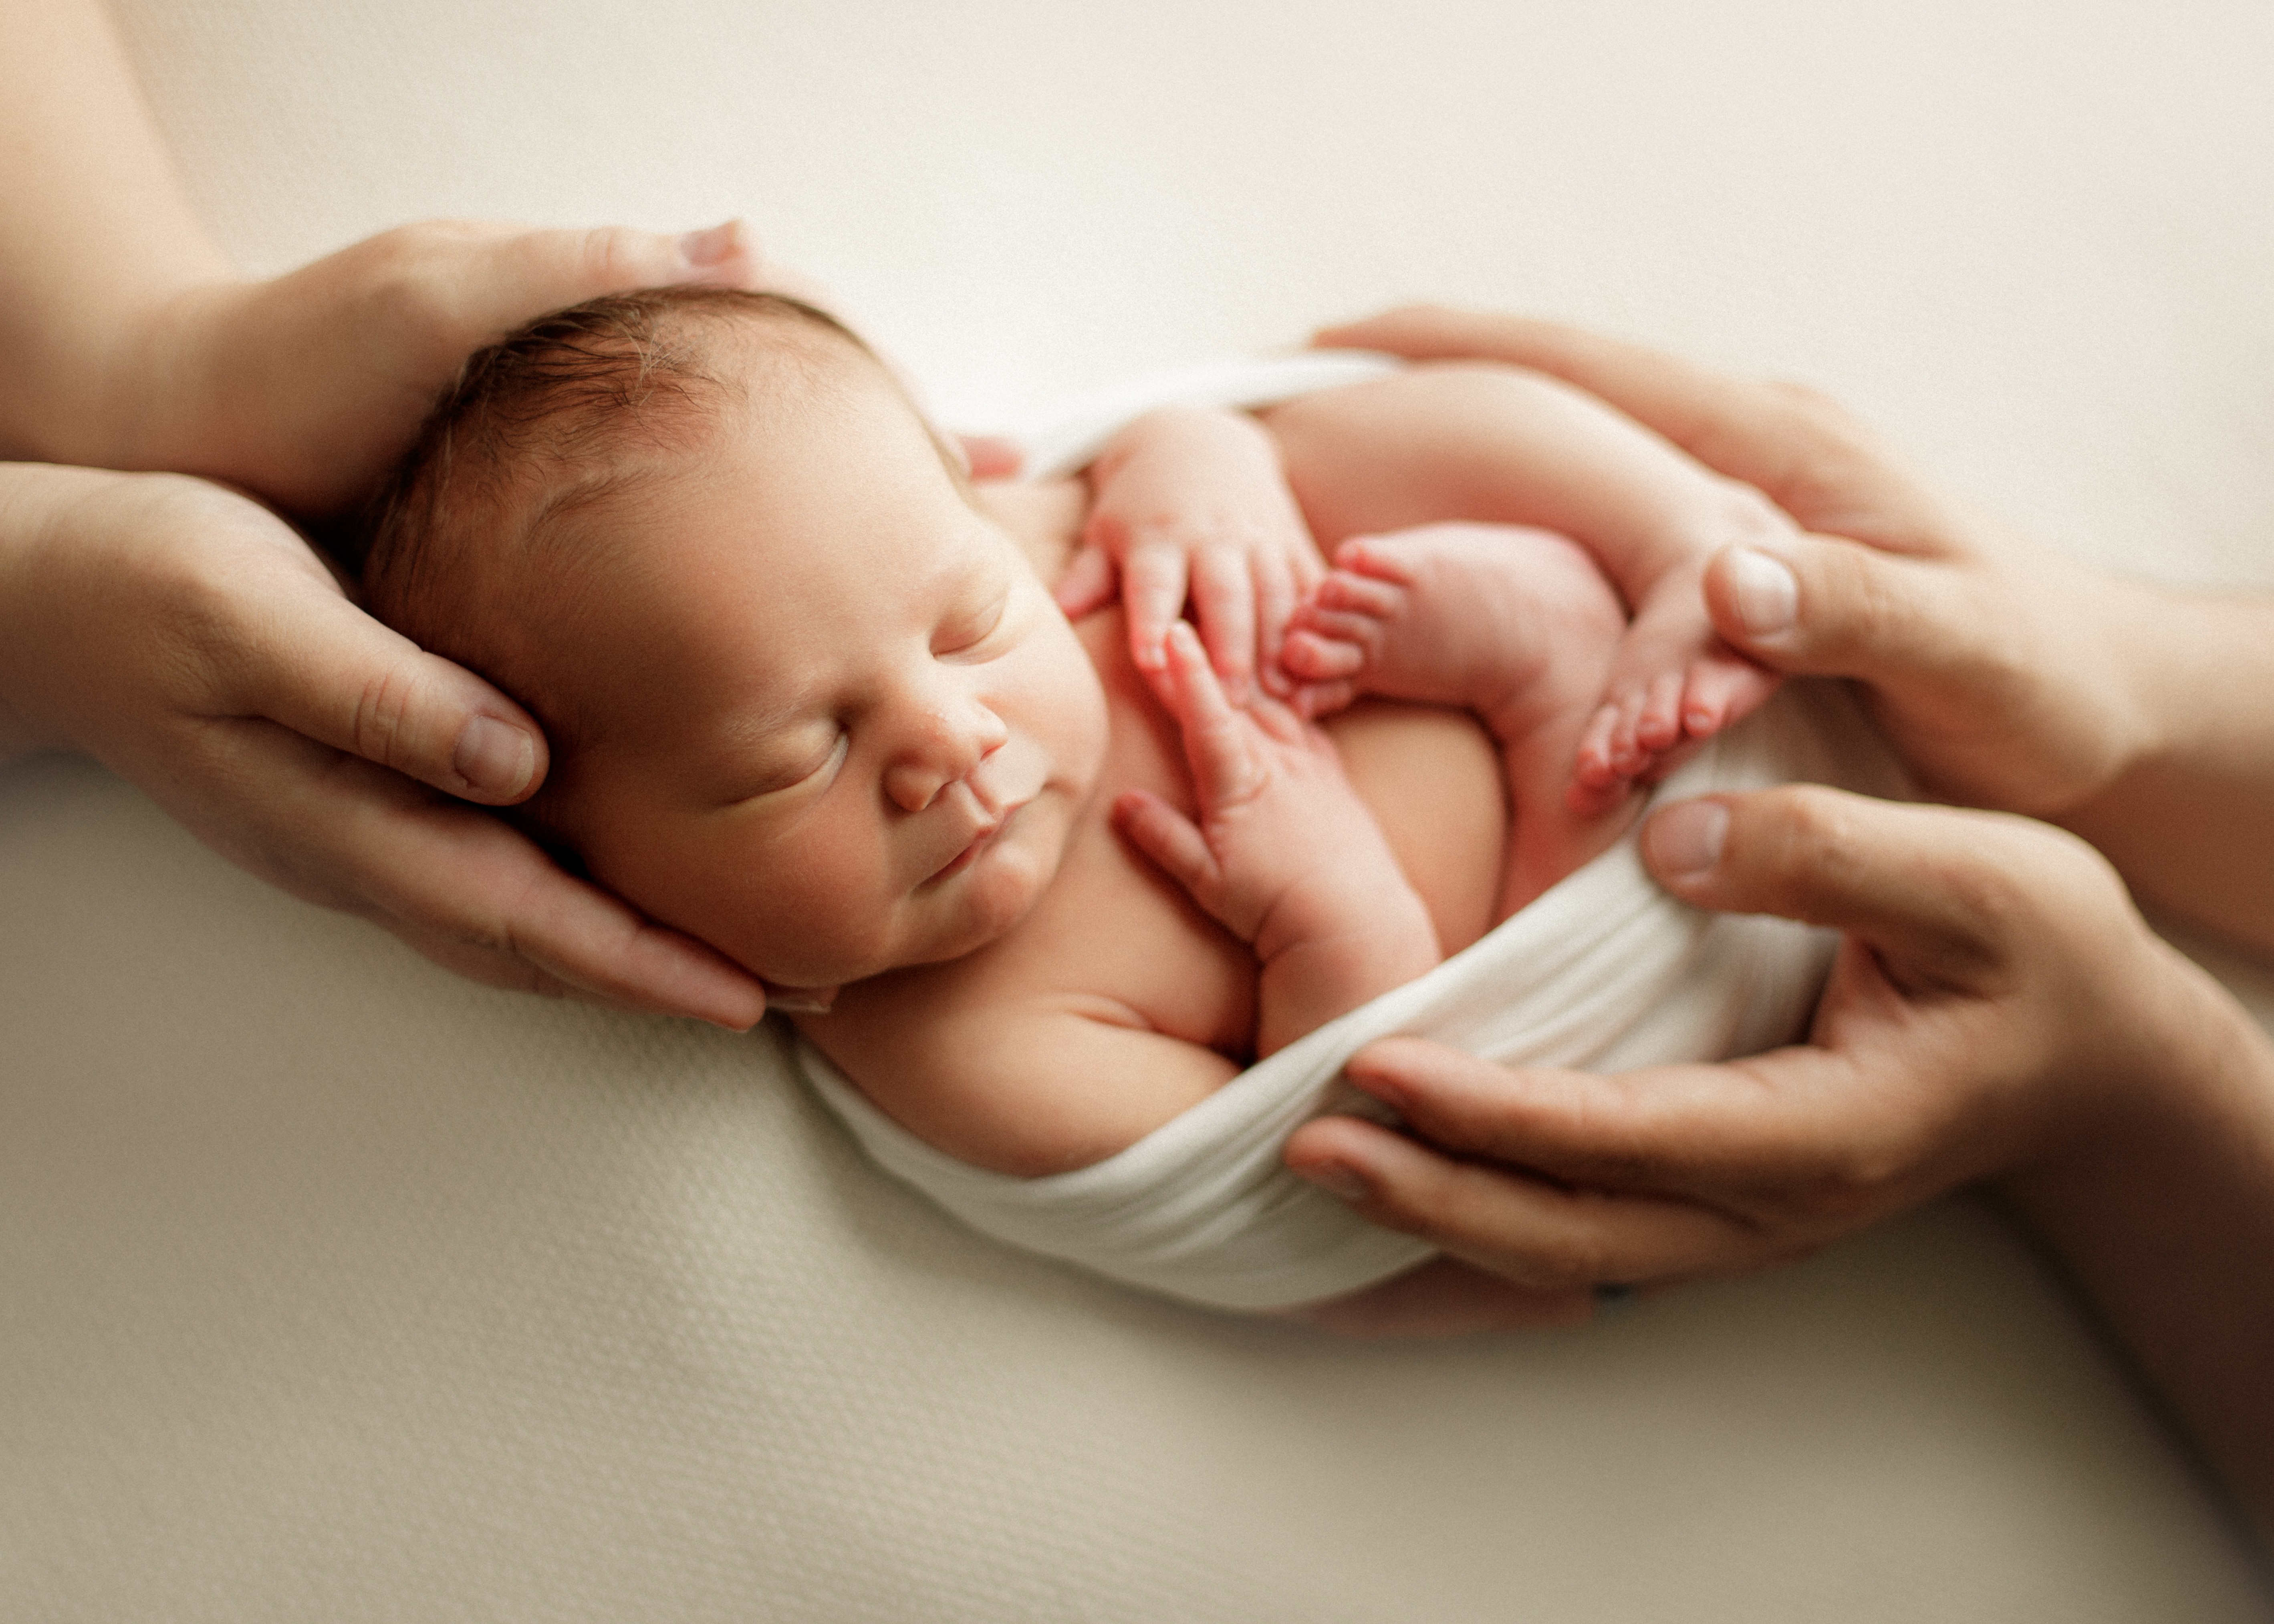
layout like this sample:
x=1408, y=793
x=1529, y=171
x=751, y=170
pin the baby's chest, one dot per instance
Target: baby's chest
x=1115, y=934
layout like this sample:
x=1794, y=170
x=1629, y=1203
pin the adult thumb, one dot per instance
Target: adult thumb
x=345, y=680
x=1819, y=606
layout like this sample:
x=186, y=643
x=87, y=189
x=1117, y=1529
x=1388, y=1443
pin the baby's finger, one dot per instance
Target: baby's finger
x=1313, y=700
x=1276, y=597
x=1318, y=657
x=1223, y=602
x=991, y=456
x=1170, y=839
x=1224, y=769
x=1087, y=584
x=1153, y=597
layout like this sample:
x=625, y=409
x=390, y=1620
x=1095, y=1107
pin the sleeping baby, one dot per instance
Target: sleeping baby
x=812, y=702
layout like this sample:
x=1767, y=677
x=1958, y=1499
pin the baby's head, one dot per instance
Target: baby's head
x=805, y=701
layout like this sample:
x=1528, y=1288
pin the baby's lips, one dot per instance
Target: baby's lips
x=800, y=1000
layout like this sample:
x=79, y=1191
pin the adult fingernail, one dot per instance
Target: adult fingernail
x=1766, y=595
x=1685, y=840
x=706, y=249
x=495, y=757
x=1334, y=1178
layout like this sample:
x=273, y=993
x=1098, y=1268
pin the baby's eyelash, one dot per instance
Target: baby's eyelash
x=827, y=764
x=970, y=634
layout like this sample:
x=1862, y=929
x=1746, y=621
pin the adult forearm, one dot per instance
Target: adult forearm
x=98, y=228
x=2190, y=819
x=2164, y=1217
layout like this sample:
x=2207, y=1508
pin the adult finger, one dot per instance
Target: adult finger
x=466, y=889
x=503, y=276
x=1796, y=1122
x=345, y=680
x=1818, y=606
x=1446, y=1297
x=1808, y=454
x=1539, y=1233
x=1924, y=886
x=512, y=904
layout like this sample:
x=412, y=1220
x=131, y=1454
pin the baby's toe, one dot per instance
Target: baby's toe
x=1658, y=713
x=1595, y=770
x=1719, y=692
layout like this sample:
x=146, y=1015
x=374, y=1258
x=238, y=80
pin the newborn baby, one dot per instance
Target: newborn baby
x=811, y=701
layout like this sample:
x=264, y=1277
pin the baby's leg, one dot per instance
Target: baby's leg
x=1482, y=441
x=1517, y=625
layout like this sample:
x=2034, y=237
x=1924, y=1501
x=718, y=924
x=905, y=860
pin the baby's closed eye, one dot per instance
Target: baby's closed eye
x=969, y=631
x=788, y=765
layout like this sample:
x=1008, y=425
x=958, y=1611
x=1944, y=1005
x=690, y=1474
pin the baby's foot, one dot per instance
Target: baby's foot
x=1674, y=683
x=1494, y=618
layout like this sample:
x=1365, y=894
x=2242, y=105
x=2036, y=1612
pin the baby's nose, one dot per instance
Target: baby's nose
x=943, y=744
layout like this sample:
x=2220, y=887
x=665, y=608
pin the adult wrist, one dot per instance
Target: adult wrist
x=2185, y=1040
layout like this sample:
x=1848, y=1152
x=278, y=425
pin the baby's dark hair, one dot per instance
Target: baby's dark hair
x=546, y=421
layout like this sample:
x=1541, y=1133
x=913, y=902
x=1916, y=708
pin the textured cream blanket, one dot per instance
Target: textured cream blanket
x=1605, y=971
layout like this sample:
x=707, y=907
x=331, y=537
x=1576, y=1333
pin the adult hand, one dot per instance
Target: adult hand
x=2008, y=675
x=189, y=640
x=307, y=387
x=1989, y=661
x=1995, y=999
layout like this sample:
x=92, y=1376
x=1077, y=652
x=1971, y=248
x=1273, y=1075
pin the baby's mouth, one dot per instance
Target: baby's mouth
x=980, y=842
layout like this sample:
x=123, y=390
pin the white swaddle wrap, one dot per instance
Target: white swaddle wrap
x=1606, y=971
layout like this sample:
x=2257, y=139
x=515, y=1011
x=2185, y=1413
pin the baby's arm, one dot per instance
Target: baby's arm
x=1482, y=441
x=1191, y=499
x=1283, y=854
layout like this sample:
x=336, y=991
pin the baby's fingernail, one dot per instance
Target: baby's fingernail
x=1767, y=596
x=1685, y=840
x=714, y=246
x=1334, y=1178
x=495, y=757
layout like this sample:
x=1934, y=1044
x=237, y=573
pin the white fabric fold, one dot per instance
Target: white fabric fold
x=1604, y=972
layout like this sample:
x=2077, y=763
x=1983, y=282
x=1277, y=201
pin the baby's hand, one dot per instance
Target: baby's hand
x=1191, y=499
x=1285, y=854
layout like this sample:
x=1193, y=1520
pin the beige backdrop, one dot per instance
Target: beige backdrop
x=333, y=1289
